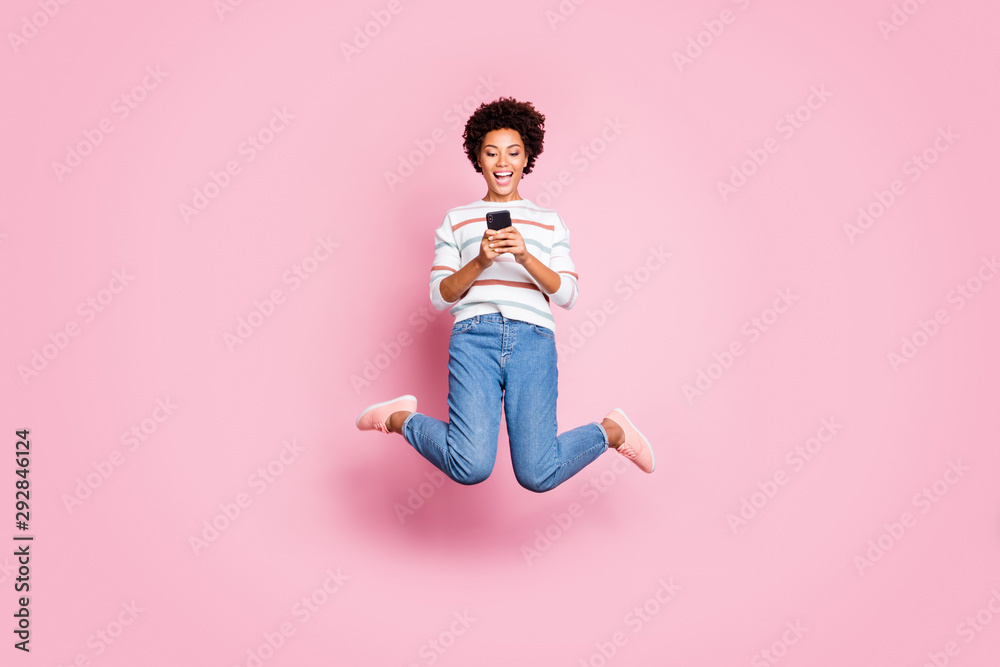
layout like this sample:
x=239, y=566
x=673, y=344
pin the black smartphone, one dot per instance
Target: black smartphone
x=497, y=220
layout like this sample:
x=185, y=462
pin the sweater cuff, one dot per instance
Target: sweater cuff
x=436, y=299
x=565, y=296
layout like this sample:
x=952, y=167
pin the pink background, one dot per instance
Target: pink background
x=604, y=549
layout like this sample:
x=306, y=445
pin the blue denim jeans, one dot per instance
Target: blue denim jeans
x=494, y=360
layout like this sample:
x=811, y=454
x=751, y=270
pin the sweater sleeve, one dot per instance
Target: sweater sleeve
x=447, y=260
x=561, y=263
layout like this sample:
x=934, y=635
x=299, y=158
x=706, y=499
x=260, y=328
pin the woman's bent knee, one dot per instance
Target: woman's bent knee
x=535, y=483
x=471, y=475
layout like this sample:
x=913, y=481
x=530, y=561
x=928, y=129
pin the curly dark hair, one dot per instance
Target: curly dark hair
x=505, y=113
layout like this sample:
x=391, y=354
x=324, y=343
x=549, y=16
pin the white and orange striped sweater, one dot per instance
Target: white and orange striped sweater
x=506, y=286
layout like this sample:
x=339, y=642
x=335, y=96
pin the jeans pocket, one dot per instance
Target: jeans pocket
x=544, y=331
x=462, y=327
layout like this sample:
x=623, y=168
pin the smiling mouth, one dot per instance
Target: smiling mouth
x=503, y=177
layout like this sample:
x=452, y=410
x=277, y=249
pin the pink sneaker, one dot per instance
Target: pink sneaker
x=635, y=448
x=373, y=417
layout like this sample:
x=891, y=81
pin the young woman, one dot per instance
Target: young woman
x=499, y=285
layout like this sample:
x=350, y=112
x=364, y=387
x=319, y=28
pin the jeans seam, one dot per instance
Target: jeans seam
x=588, y=452
x=582, y=454
x=538, y=329
x=607, y=441
x=407, y=420
x=437, y=445
x=425, y=437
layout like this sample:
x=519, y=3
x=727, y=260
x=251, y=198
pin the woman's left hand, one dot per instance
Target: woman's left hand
x=510, y=241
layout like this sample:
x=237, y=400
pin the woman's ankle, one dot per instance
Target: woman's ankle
x=395, y=421
x=616, y=436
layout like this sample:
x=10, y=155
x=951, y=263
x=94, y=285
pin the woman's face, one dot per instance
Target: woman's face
x=502, y=159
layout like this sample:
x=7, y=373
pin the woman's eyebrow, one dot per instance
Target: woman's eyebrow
x=511, y=146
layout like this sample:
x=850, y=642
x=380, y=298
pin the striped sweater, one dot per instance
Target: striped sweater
x=505, y=286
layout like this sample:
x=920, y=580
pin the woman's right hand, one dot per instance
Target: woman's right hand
x=455, y=286
x=486, y=253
